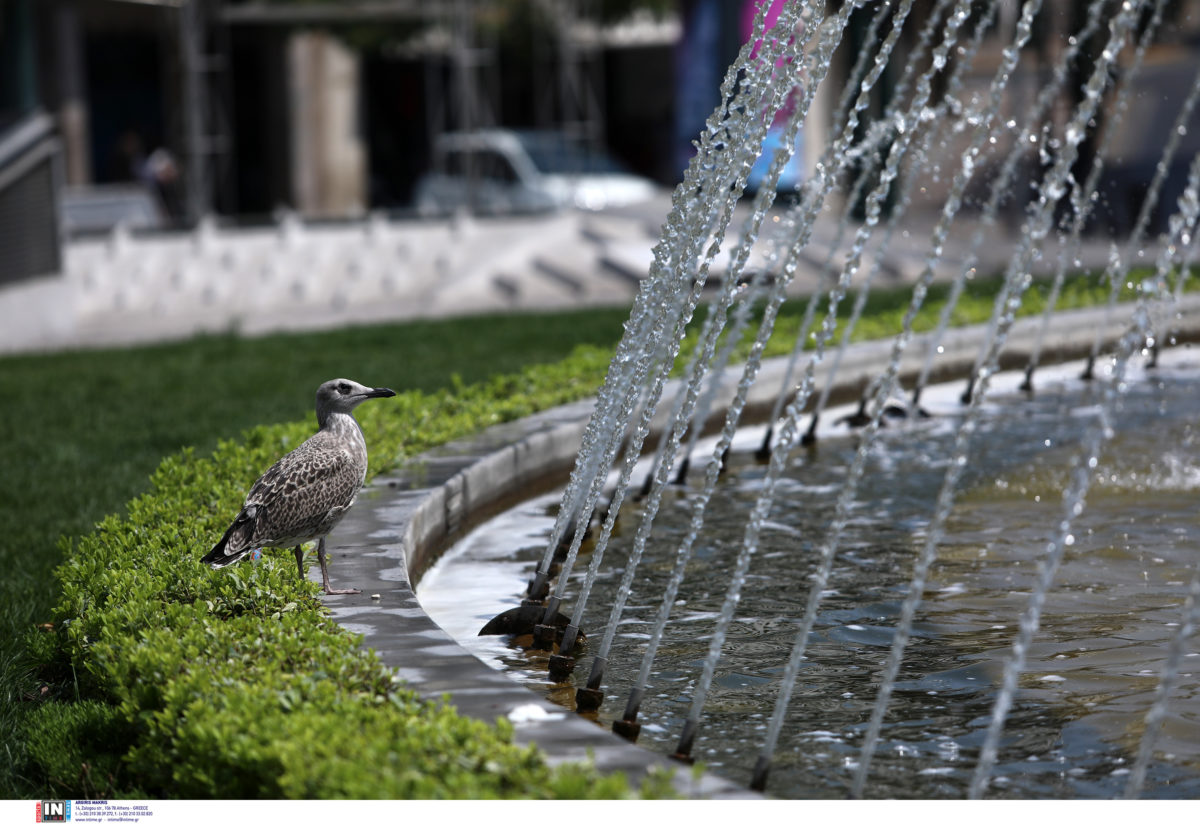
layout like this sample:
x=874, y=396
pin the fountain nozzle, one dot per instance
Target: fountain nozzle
x=591, y=697
x=629, y=730
x=1027, y=384
x=627, y=726
x=916, y=404
x=965, y=398
x=539, y=587
x=684, y=466
x=1089, y=370
x=764, y=450
x=587, y=700
x=683, y=752
x=561, y=667
x=762, y=770
x=854, y=420
x=810, y=437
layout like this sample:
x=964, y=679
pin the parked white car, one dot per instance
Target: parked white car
x=495, y=171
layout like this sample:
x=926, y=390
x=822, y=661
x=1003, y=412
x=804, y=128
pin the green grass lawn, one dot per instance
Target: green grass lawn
x=81, y=432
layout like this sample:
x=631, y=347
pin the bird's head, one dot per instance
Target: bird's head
x=342, y=395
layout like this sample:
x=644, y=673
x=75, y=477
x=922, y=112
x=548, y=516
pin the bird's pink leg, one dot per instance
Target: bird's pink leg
x=325, y=574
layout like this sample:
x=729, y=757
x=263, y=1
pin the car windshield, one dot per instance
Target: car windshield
x=484, y=164
x=553, y=153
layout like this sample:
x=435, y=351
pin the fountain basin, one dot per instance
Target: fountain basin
x=1093, y=665
x=405, y=521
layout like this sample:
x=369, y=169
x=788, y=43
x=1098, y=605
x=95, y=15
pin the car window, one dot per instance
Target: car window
x=495, y=166
x=484, y=165
x=555, y=154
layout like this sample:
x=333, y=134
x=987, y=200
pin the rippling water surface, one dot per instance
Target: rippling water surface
x=1093, y=667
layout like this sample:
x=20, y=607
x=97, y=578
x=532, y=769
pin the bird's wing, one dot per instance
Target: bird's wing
x=307, y=472
x=237, y=541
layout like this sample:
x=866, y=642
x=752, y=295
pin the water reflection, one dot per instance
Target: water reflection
x=1091, y=671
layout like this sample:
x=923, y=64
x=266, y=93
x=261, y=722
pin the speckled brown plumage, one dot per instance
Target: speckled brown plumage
x=304, y=495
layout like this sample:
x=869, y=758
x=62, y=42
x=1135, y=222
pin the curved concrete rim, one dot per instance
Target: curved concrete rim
x=404, y=522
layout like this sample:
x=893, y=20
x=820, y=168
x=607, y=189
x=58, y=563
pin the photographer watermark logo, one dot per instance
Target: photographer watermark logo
x=54, y=811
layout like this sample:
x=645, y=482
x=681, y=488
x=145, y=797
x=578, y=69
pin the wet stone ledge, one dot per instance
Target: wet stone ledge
x=397, y=525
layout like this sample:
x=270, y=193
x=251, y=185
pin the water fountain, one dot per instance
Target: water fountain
x=972, y=142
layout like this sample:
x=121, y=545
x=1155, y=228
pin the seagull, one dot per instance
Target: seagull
x=304, y=495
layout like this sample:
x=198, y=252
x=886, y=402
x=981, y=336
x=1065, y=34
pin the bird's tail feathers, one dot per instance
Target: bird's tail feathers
x=235, y=544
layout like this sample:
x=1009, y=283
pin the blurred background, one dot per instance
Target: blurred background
x=131, y=122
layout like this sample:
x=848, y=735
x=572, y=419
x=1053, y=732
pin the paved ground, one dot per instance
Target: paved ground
x=122, y=289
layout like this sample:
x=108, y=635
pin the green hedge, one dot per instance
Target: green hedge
x=174, y=680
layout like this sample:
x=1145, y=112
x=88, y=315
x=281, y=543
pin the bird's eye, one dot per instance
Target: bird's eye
x=343, y=388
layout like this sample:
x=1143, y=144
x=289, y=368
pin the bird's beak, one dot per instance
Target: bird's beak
x=381, y=392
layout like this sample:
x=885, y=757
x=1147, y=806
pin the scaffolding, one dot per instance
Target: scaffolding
x=205, y=120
